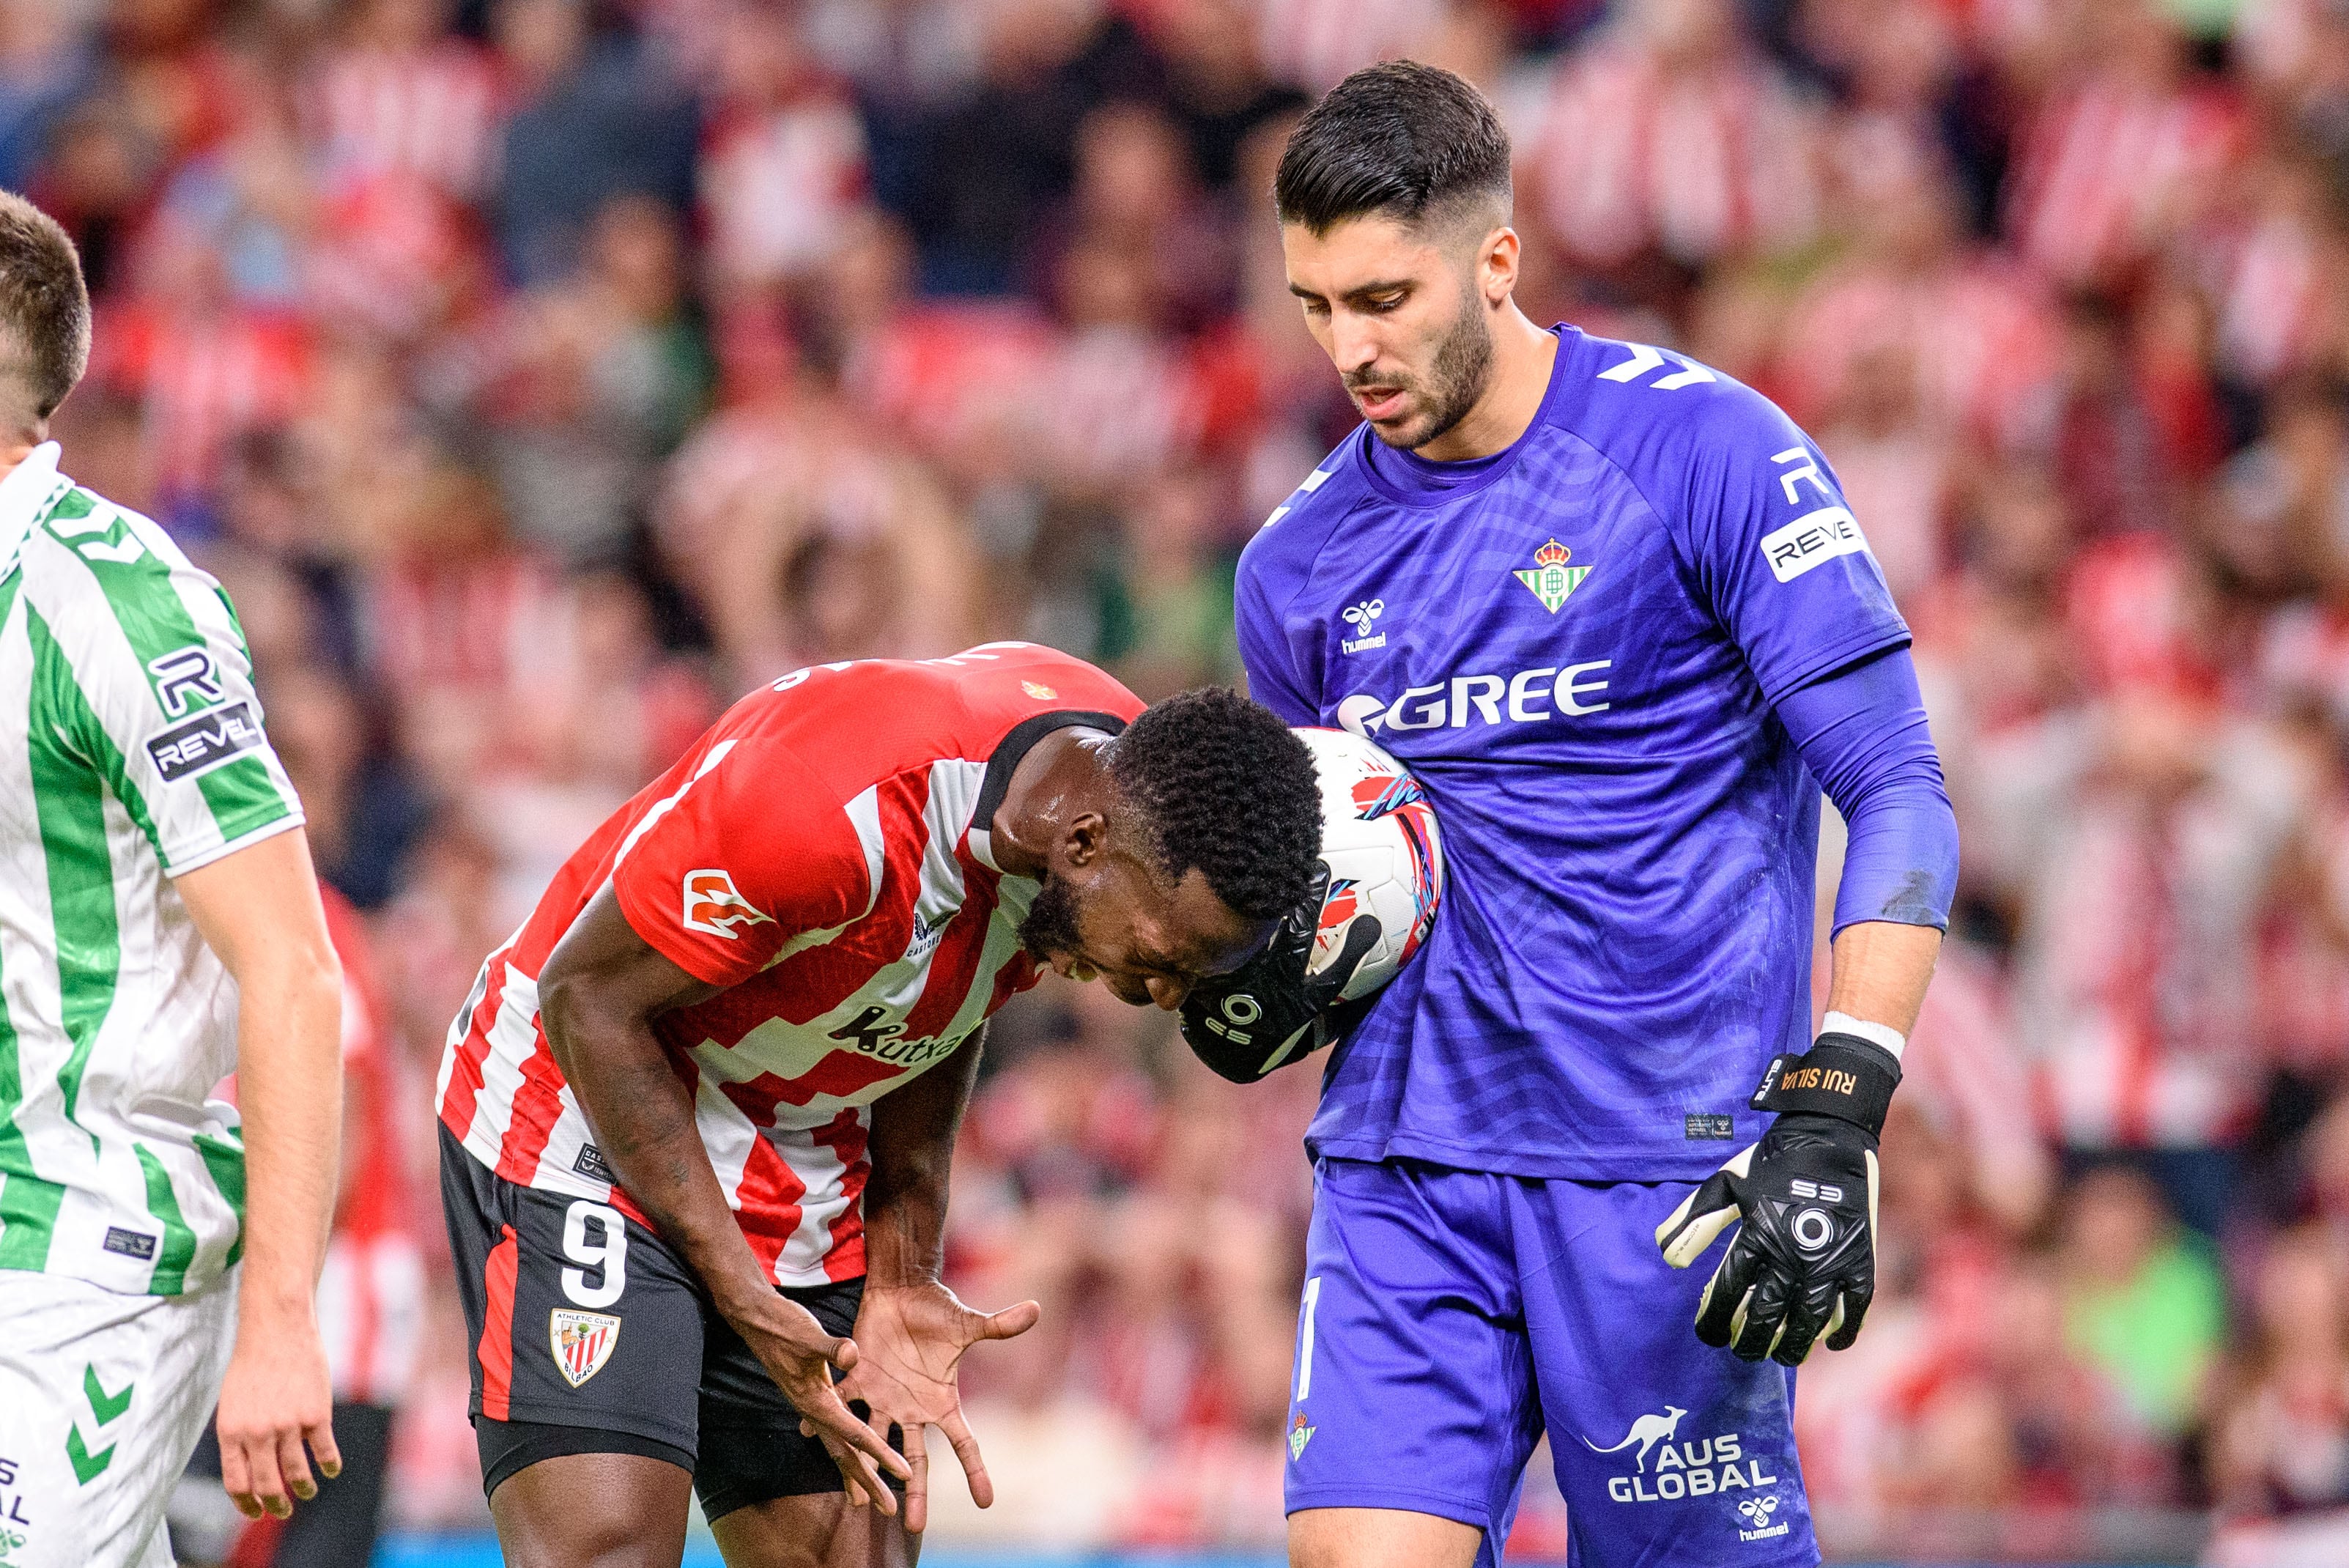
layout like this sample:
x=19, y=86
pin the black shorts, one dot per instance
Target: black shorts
x=590, y=1335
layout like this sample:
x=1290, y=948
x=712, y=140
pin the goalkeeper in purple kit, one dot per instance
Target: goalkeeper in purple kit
x=1612, y=610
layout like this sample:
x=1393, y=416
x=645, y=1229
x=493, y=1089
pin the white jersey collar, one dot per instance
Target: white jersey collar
x=24, y=496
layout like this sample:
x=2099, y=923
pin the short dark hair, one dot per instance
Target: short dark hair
x=1398, y=138
x=1221, y=784
x=44, y=307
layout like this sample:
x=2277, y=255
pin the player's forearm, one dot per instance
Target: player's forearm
x=289, y=1092
x=643, y=1119
x=1881, y=969
x=1864, y=735
x=912, y=1151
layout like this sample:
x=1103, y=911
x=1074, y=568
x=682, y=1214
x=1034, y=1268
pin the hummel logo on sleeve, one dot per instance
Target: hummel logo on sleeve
x=216, y=736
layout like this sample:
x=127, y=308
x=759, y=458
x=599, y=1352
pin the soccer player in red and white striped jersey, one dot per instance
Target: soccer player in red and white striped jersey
x=689, y=1119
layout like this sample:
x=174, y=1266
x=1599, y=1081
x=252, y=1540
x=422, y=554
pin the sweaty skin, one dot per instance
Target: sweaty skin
x=600, y=990
x=911, y=1333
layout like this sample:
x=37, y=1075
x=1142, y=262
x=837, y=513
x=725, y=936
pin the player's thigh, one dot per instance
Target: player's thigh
x=753, y=1459
x=1379, y=1538
x=102, y=1398
x=1671, y=1454
x=813, y=1531
x=1413, y=1390
x=583, y=1328
x=592, y=1510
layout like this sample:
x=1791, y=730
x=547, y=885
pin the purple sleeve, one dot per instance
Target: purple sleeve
x=1862, y=733
x=1776, y=550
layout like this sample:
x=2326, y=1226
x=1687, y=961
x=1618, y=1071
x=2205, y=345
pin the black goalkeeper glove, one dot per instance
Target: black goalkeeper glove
x=1270, y=1011
x=1804, y=1261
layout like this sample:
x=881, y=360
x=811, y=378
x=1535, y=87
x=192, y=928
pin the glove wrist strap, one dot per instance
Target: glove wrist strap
x=1841, y=1076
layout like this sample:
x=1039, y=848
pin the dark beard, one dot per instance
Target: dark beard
x=1049, y=926
x=1463, y=365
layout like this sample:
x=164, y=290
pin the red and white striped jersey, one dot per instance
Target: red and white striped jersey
x=823, y=853
x=1316, y=44
x=434, y=113
x=1634, y=153
x=204, y=381
x=371, y=1289
x=2107, y=168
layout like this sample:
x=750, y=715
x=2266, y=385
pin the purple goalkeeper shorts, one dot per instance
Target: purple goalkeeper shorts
x=1451, y=1317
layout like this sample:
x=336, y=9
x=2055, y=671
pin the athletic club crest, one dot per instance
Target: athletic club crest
x=582, y=1342
x=1300, y=1434
x=1551, y=579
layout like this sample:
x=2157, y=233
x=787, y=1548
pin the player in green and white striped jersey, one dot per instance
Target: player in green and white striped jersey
x=159, y=929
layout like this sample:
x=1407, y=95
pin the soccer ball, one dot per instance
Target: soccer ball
x=1385, y=857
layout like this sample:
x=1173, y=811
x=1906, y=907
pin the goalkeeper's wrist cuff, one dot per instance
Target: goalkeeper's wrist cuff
x=1841, y=1076
x=1883, y=1035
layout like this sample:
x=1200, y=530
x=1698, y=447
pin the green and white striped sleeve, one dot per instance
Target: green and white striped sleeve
x=148, y=676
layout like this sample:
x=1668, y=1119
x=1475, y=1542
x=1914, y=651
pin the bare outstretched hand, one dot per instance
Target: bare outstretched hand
x=910, y=1340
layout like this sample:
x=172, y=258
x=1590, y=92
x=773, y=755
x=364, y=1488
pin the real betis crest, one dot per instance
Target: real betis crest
x=1552, y=579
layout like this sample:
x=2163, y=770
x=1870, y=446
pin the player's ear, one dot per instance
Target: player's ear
x=1085, y=839
x=1496, y=264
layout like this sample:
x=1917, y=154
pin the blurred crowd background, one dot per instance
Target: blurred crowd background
x=539, y=374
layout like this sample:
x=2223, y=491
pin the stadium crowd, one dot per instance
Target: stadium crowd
x=538, y=374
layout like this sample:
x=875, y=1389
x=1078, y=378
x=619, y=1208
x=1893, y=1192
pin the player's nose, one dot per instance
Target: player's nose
x=1354, y=344
x=1166, y=992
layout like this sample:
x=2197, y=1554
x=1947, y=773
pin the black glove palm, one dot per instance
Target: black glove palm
x=1270, y=1011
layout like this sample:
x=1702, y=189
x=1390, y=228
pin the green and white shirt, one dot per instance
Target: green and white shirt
x=130, y=750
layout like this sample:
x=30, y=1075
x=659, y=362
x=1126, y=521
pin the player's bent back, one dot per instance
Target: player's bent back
x=842, y=880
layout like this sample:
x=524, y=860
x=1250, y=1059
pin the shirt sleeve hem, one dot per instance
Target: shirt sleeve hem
x=178, y=868
x=1880, y=639
x=685, y=956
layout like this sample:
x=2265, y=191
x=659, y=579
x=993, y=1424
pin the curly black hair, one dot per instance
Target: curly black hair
x=1221, y=784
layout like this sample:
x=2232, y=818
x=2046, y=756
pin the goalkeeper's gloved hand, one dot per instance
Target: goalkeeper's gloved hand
x=1270, y=1011
x=1804, y=1261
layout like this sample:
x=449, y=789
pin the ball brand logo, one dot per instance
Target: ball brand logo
x=712, y=904
x=1551, y=579
x=1359, y=618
